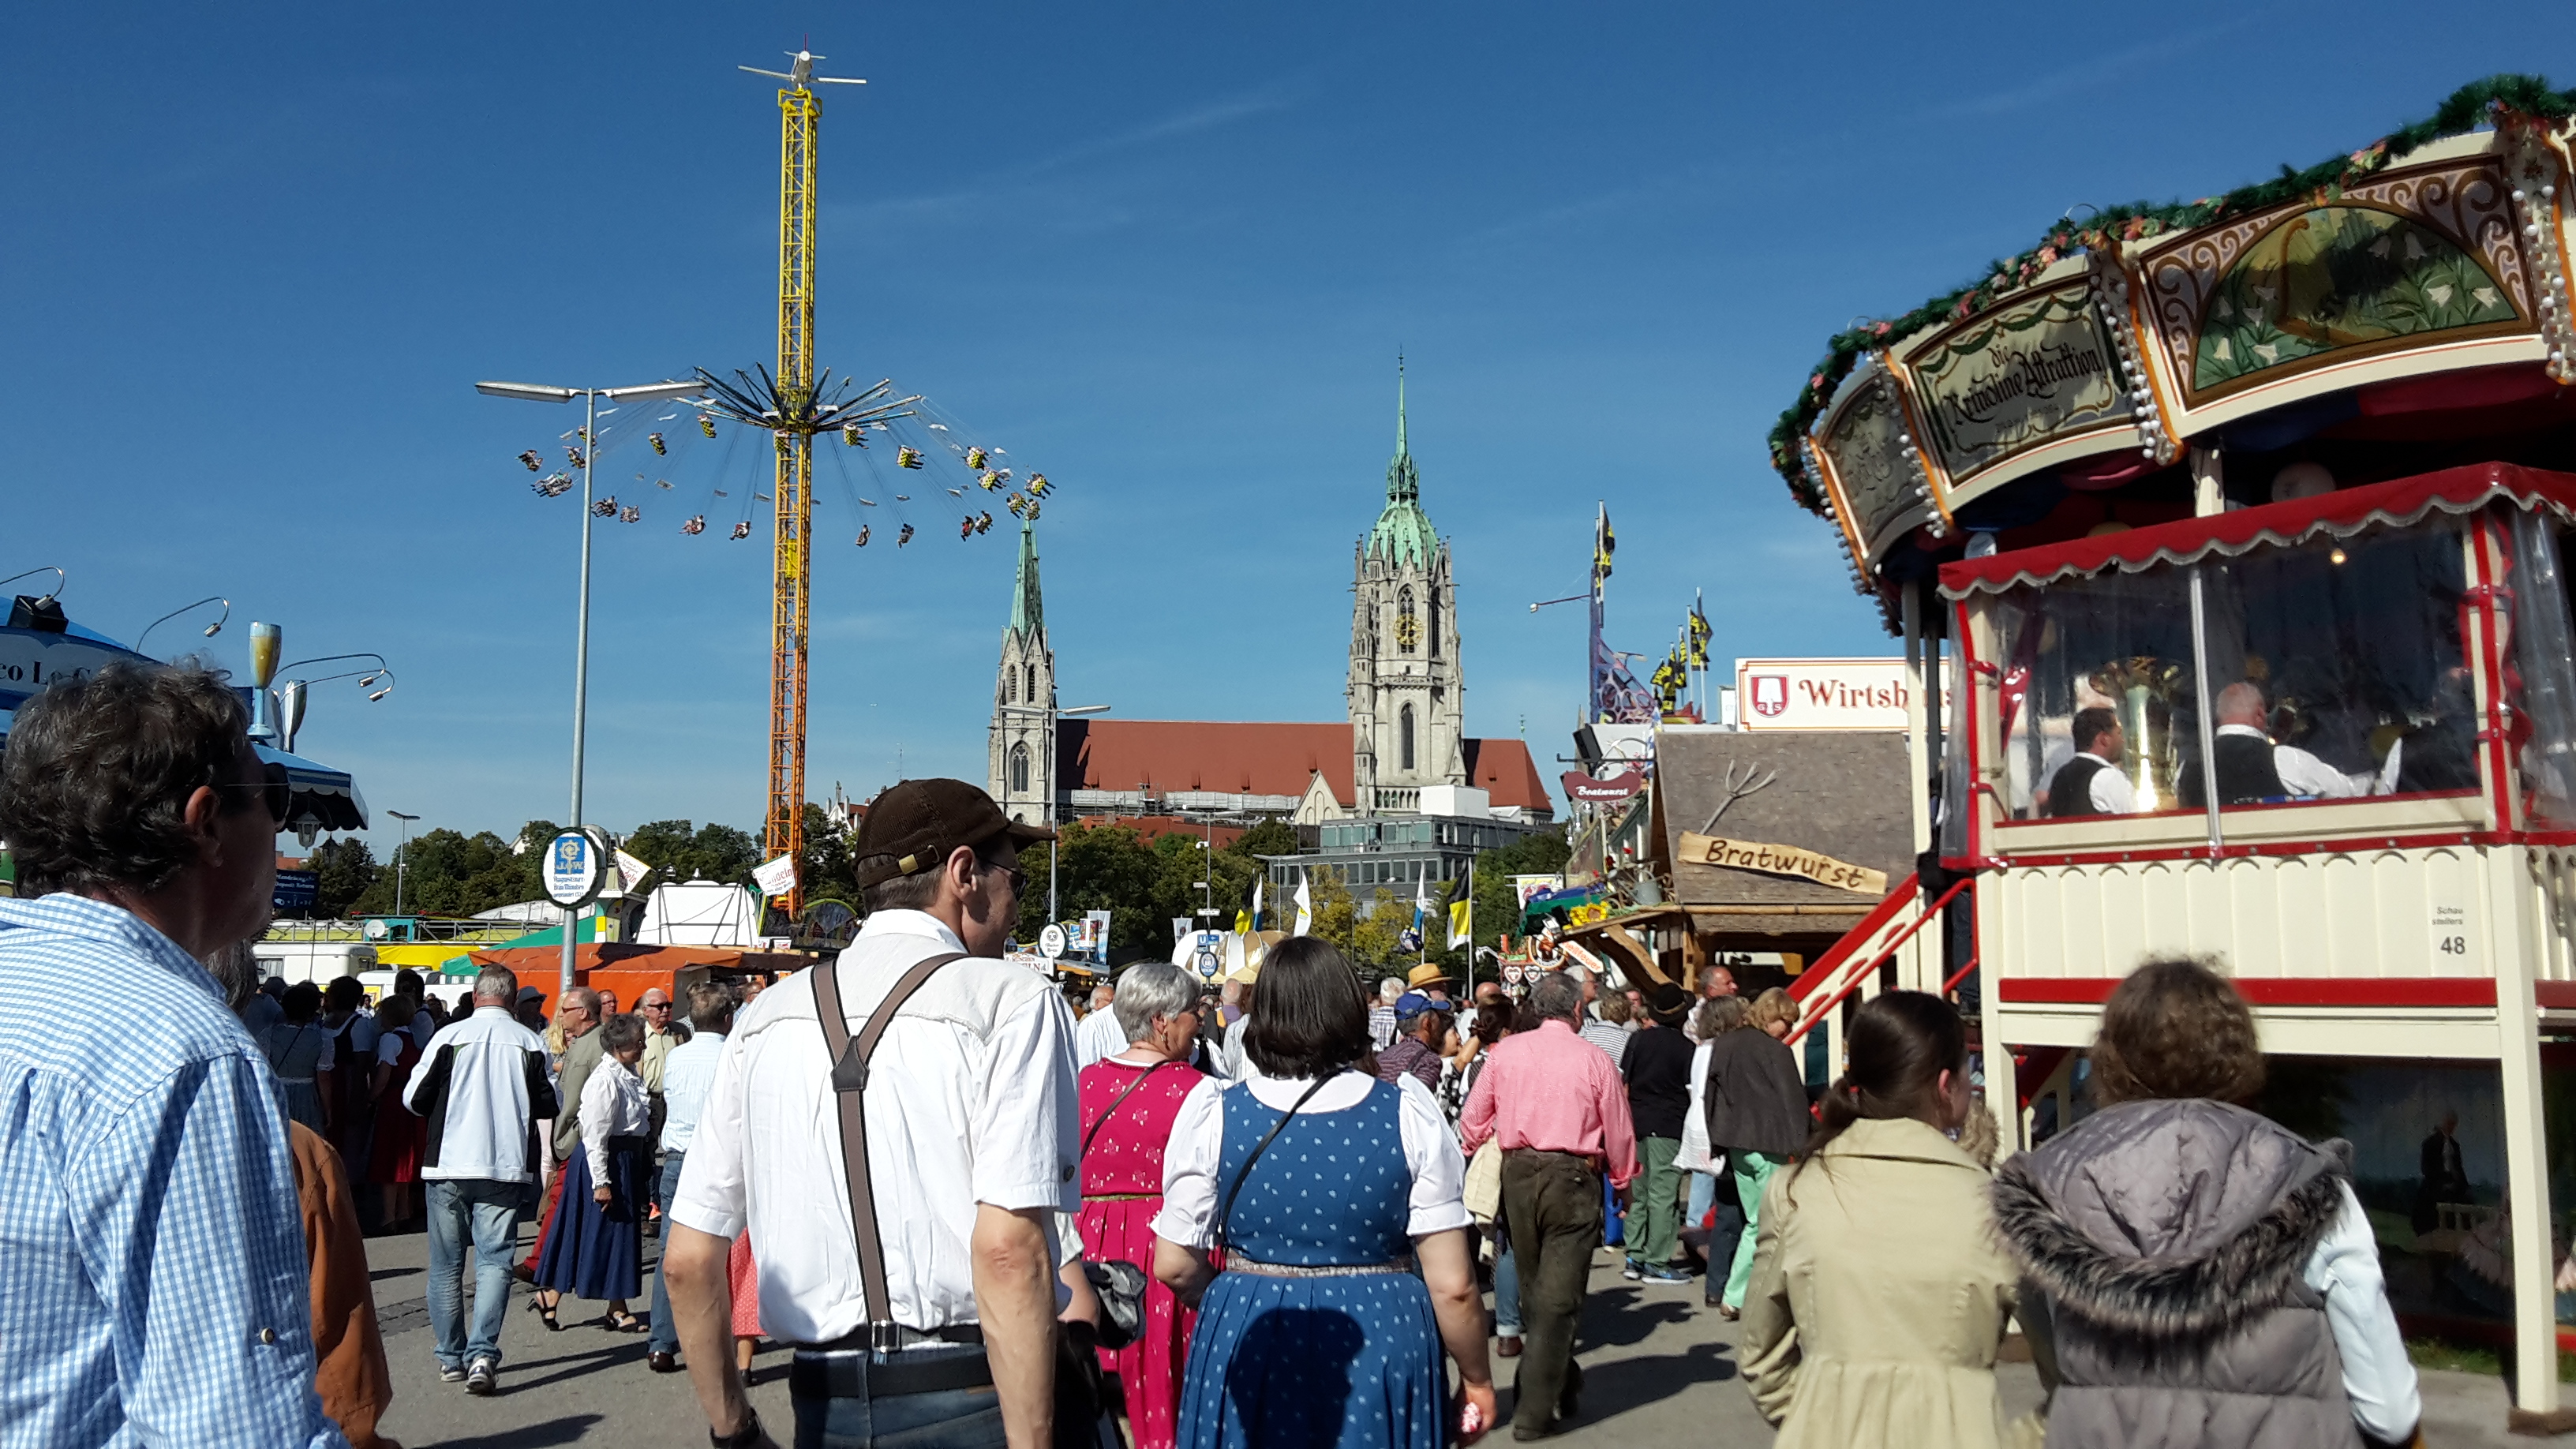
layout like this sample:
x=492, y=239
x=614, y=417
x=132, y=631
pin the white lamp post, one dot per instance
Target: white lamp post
x=538, y=392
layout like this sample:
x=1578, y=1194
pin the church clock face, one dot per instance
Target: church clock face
x=1408, y=633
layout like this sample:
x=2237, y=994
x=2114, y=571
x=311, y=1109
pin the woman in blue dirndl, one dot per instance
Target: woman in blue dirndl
x=1337, y=1199
x=596, y=1249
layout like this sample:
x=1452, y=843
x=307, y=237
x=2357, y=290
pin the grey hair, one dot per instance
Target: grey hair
x=622, y=1032
x=1149, y=990
x=580, y=996
x=1557, y=997
x=236, y=969
x=496, y=984
x=1389, y=988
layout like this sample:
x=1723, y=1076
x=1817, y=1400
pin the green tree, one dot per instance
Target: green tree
x=1373, y=936
x=1497, y=910
x=824, y=866
x=451, y=874
x=1270, y=837
x=344, y=869
x=1104, y=868
x=713, y=852
x=1336, y=914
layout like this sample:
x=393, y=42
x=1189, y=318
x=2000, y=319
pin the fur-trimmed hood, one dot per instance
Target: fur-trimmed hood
x=2172, y=1222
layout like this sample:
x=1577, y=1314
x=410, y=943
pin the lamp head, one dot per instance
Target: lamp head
x=214, y=628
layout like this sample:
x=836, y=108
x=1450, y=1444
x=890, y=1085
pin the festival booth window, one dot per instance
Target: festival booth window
x=2390, y=657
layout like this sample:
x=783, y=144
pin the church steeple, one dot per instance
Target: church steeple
x=1403, y=533
x=1403, y=484
x=1028, y=610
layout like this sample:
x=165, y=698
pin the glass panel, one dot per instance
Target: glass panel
x=2337, y=670
x=2107, y=658
x=2542, y=649
x=1954, y=764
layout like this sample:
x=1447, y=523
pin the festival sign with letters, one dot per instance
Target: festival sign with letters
x=1811, y=865
x=2027, y=386
x=1824, y=694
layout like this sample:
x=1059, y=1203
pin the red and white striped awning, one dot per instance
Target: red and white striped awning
x=2343, y=513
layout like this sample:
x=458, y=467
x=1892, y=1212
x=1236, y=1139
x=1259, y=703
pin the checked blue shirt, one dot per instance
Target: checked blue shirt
x=153, y=1280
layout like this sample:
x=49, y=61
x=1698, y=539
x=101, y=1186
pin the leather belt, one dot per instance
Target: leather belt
x=889, y=1337
x=856, y=1374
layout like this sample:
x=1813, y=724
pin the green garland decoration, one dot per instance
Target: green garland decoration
x=2468, y=107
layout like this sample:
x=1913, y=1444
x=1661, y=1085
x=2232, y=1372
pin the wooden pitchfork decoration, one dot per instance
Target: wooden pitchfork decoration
x=1737, y=787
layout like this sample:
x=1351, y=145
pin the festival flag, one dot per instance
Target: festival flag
x=1305, y=907
x=776, y=877
x=1699, y=635
x=1243, y=923
x=1462, y=923
x=1257, y=883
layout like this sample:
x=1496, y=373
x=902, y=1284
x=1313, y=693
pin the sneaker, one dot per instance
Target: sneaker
x=484, y=1378
x=1665, y=1275
x=1632, y=1270
x=451, y=1373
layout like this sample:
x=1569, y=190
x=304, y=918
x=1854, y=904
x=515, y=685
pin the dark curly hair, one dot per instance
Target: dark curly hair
x=2176, y=1028
x=621, y=1033
x=95, y=781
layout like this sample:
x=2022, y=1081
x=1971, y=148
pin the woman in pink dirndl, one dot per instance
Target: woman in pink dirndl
x=1128, y=1103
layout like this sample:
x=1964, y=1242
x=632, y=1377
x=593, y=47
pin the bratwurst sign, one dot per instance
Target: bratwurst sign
x=1812, y=865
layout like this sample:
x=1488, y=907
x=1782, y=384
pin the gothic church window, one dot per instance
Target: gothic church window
x=1010, y=685
x=1408, y=631
x=1404, y=738
x=1019, y=769
x=1033, y=683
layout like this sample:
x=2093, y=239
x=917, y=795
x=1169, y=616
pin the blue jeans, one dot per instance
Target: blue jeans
x=951, y=1419
x=482, y=1214
x=1507, y=1289
x=666, y=1332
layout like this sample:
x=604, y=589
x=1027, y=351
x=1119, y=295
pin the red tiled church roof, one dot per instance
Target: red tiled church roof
x=1257, y=759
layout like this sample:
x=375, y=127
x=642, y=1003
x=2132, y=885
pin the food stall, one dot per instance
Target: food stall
x=2243, y=523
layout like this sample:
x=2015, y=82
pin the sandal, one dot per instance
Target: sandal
x=622, y=1321
x=545, y=1311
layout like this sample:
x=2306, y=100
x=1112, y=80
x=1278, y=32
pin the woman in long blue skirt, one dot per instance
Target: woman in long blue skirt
x=1337, y=1199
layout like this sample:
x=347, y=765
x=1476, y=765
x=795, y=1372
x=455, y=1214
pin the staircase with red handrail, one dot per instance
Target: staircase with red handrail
x=1863, y=950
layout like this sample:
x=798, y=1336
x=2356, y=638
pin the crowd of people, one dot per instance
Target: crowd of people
x=1263, y=1215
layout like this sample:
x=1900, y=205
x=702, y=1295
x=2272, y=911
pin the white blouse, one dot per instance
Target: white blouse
x=1194, y=1156
x=1695, y=1155
x=613, y=1104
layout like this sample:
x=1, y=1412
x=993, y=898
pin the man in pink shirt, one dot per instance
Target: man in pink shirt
x=1558, y=1108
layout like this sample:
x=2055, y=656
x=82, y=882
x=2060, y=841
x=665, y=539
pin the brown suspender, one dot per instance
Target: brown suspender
x=850, y=1084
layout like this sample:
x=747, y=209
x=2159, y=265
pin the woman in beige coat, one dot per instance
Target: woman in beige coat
x=1879, y=1291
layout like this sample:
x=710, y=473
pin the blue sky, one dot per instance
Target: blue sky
x=258, y=255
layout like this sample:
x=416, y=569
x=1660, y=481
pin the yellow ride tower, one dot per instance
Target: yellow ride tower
x=791, y=592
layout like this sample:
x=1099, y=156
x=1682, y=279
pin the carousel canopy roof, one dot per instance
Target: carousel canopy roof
x=2340, y=514
x=2108, y=232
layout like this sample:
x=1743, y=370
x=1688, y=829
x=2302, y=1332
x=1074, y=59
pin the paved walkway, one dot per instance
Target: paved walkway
x=1659, y=1369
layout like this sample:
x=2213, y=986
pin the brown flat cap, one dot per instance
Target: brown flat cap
x=915, y=826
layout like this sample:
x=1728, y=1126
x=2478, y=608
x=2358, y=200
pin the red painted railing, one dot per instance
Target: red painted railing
x=1850, y=979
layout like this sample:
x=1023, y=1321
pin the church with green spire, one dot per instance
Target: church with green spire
x=1022, y=767
x=1407, y=689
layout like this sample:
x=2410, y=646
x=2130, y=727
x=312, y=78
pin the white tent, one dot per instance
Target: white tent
x=700, y=913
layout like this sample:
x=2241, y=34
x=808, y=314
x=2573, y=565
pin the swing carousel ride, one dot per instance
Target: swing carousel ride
x=896, y=458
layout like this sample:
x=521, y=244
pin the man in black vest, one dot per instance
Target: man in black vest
x=2091, y=783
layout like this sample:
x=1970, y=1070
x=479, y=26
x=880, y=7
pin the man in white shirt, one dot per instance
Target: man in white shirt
x=480, y=1090
x=1099, y=1034
x=687, y=1072
x=2250, y=767
x=2090, y=783
x=971, y=1139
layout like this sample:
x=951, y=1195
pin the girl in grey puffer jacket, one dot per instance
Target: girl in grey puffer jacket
x=2199, y=1275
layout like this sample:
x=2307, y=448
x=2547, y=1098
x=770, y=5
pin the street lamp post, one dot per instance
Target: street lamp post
x=211, y=630
x=398, y=856
x=1051, y=715
x=537, y=392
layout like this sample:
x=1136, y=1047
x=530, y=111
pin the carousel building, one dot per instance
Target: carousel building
x=2243, y=524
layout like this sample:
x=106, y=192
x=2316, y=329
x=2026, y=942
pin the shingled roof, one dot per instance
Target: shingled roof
x=1258, y=758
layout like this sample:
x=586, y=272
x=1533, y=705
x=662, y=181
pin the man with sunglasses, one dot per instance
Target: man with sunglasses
x=155, y=1287
x=967, y=1105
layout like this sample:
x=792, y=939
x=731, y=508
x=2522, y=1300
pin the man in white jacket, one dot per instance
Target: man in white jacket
x=481, y=1089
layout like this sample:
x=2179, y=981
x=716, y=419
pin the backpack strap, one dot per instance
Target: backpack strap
x=850, y=1084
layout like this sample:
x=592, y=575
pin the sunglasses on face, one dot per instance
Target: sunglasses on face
x=1019, y=878
x=278, y=792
